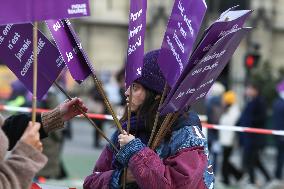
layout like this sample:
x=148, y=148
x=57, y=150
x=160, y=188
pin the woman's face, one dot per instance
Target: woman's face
x=138, y=96
x=251, y=92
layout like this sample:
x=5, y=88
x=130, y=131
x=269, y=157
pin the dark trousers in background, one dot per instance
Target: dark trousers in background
x=228, y=168
x=279, y=160
x=97, y=136
x=252, y=161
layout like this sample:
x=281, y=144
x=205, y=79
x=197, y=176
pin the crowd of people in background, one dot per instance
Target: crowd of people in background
x=223, y=108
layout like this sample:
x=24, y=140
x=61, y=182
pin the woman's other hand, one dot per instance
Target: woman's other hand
x=69, y=109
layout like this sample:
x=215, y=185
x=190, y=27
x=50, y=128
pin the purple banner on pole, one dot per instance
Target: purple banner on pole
x=23, y=11
x=16, y=51
x=136, y=35
x=199, y=80
x=229, y=21
x=70, y=48
x=181, y=33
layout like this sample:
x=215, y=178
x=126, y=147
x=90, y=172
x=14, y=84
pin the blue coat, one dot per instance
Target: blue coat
x=278, y=117
x=253, y=115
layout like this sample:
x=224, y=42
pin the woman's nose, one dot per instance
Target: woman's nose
x=127, y=92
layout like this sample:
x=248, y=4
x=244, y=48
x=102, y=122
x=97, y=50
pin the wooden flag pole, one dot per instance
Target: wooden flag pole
x=86, y=116
x=163, y=126
x=129, y=110
x=34, y=100
x=174, y=117
x=167, y=123
x=157, y=116
x=106, y=101
x=128, y=130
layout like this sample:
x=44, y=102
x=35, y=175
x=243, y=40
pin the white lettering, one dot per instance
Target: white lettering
x=188, y=23
x=223, y=33
x=59, y=61
x=7, y=29
x=22, y=51
x=176, y=55
x=190, y=91
x=56, y=26
x=181, y=94
x=69, y=56
x=215, y=55
x=78, y=9
x=30, y=60
x=135, y=31
x=196, y=71
x=135, y=16
x=179, y=43
x=132, y=48
x=181, y=8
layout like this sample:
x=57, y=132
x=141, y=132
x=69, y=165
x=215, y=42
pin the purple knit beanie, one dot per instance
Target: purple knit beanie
x=152, y=77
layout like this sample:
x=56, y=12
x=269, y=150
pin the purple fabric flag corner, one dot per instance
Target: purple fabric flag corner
x=198, y=81
x=70, y=48
x=24, y=11
x=136, y=35
x=182, y=30
x=16, y=51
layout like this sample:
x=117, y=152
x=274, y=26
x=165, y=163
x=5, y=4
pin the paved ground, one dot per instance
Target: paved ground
x=80, y=156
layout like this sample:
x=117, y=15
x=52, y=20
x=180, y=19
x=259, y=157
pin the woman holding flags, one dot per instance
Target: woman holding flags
x=179, y=161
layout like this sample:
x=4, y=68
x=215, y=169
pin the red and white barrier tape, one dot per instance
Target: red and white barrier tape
x=202, y=118
x=40, y=110
x=244, y=129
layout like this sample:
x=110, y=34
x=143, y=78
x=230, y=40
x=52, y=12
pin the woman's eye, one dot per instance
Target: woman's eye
x=134, y=86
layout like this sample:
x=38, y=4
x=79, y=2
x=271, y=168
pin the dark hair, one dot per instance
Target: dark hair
x=256, y=85
x=148, y=110
x=120, y=75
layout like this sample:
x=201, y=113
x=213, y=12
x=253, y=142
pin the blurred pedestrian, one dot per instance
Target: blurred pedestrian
x=18, y=95
x=253, y=115
x=98, y=103
x=278, y=124
x=120, y=78
x=214, y=111
x=227, y=138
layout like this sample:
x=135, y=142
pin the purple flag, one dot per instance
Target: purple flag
x=182, y=30
x=23, y=11
x=70, y=48
x=16, y=51
x=199, y=80
x=136, y=34
x=228, y=21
